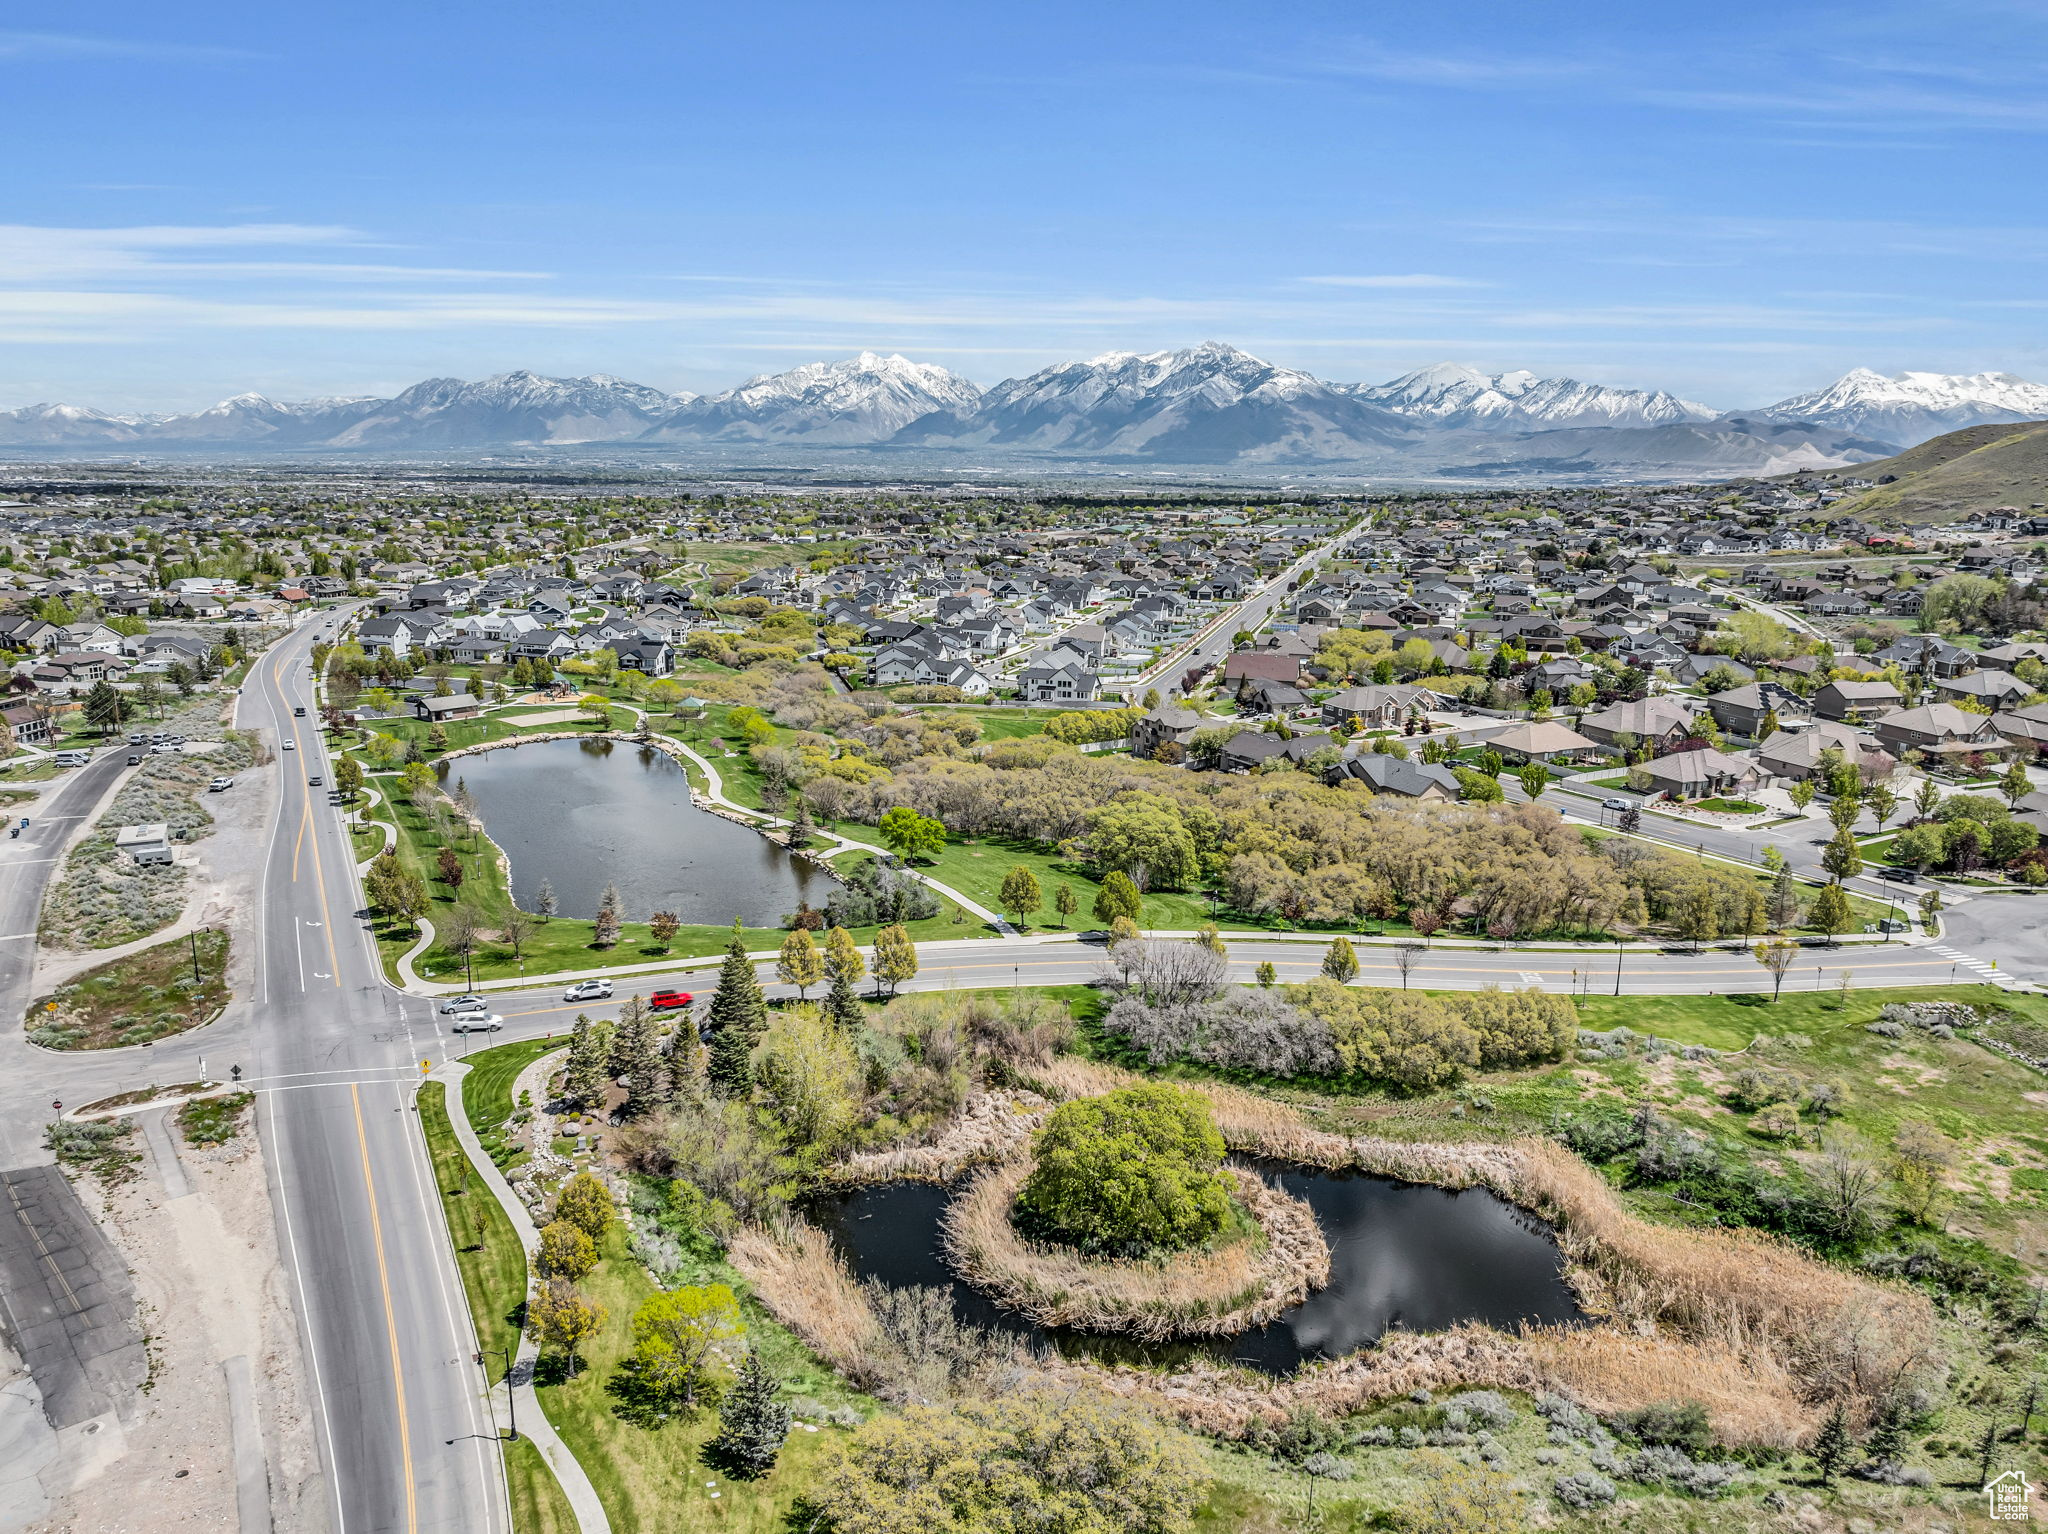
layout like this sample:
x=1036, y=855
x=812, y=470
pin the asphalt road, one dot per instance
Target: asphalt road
x=403, y=1425
x=336, y=1054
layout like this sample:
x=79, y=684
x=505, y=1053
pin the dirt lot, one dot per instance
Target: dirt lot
x=211, y=1290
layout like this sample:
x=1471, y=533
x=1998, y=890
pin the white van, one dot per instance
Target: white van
x=73, y=758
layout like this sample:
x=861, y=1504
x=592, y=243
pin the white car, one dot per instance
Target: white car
x=473, y=1022
x=220, y=785
x=464, y=1004
x=589, y=990
x=291, y=745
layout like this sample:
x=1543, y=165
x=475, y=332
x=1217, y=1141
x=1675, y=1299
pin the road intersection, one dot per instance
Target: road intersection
x=335, y=1055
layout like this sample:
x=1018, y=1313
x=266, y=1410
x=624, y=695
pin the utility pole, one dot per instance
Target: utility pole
x=1618, y=950
x=194, y=936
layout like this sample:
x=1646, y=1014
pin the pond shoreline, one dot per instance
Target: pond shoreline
x=542, y=826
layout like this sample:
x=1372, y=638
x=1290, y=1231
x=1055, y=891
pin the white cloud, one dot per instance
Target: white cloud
x=42, y=46
x=1398, y=280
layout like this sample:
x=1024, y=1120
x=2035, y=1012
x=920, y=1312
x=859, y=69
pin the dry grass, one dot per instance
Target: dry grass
x=1191, y=1294
x=1765, y=1329
x=797, y=1273
x=990, y=1128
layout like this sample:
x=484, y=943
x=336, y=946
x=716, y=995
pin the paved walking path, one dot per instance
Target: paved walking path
x=534, y=1424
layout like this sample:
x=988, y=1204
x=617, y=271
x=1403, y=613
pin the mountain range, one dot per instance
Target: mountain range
x=1207, y=404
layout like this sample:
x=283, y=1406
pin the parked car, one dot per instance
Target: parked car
x=588, y=990
x=220, y=785
x=663, y=1001
x=134, y=758
x=473, y=1023
x=464, y=1004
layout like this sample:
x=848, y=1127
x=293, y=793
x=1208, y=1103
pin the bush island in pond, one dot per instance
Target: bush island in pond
x=1136, y=1171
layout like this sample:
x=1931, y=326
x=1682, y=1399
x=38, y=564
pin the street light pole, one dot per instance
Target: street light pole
x=1618, y=950
x=511, y=1395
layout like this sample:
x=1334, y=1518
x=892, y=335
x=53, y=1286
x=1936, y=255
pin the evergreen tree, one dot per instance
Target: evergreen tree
x=737, y=1019
x=688, y=1064
x=585, y=1073
x=1889, y=1436
x=800, y=824
x=752, y=1424
x=842, y=1003
x=1831, y=1444
x=610, y=914
x=544, y=901
x=635, y=1057
x=105, y=708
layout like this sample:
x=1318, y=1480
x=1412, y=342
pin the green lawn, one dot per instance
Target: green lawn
x=538, y=1506
x=1731, y=1022
x=487, y=1089
x=654, y=1477
x=487, y=1250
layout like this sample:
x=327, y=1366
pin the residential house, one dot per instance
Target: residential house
x=1703, y=773
x=1995, y=689
x=1742, y=710
x=1804, y=753
x=1855, y=700
x=1165, y=725
x=1659, y=722
x=1938, y=729
x=1392, y=775
x=1379, y=707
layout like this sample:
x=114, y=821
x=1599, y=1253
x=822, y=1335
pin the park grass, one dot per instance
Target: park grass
x=138, y=998
x=563, y=944
x=655, y=1477
x=487, y=1249
x=487, y=1089
x=538, y=1506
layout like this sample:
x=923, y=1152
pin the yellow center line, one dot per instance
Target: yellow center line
x=390, y=1315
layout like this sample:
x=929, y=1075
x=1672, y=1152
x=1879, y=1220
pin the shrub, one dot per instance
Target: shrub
x=1680, y=1424
x=1476, y=1409
x=1135, y=1171
x=1053, y=1464
x=1583, y=1489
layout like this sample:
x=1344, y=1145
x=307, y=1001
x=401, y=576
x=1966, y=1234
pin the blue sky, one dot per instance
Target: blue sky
x=1733, y=201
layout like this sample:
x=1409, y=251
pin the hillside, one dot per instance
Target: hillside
x=1949, y=476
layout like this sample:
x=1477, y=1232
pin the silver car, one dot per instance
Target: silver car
x=464, y=1004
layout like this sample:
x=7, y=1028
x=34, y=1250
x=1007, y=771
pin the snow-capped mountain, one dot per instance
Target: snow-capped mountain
x=1908, y=408
x=858, y=401
x=1450, y=394
x=1685, y=449
x=1199, y=404
x=68, y=425
x=510, y=408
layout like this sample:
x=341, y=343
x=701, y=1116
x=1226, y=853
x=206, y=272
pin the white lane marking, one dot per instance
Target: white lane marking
x=1530, y=977
x=306, y=1318
x=430, y=1202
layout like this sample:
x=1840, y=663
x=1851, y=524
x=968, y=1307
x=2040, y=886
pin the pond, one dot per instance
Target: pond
x=1402, y=1254
x=579, y=813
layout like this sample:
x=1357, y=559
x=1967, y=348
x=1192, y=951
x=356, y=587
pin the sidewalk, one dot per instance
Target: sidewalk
x=583, y=1499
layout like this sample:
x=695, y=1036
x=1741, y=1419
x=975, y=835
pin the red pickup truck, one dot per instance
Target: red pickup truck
x=663, y=1001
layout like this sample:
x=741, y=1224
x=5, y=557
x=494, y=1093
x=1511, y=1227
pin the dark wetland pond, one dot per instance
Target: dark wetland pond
x=1403, y=1255
x=581, y=813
